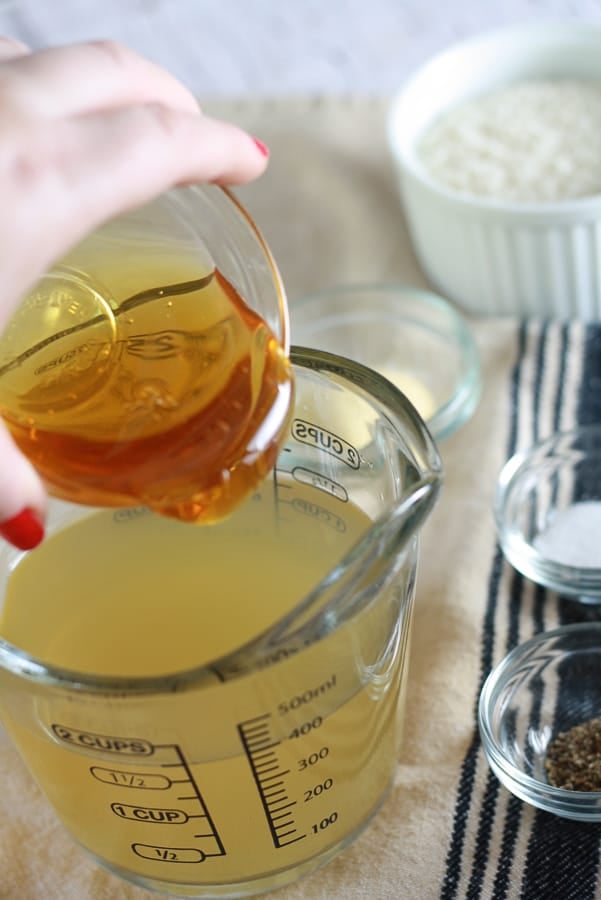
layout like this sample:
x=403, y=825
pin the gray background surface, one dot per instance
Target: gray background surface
x=239, y=47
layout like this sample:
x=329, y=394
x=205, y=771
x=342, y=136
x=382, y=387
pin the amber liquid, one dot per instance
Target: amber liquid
x=159, y=386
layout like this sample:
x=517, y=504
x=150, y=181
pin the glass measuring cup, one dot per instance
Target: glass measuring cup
x=150, y=364
x=270, y=756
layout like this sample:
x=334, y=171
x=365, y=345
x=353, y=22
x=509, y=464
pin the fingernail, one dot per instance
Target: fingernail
x=263, y=149
x=24, y=530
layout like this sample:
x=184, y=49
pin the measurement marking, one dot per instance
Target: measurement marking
x=170, y=816
x=275, y=818
x=263, y=744
x=198, y=796
x=258, y=731
x=273, y=803
x=255, y=746
x=280, y=808
x=260, y=752
x=258, y=745
x=259, y=738
x=265, y=753
x=266, y=747
x=270, y=769
x=275, y=793
x=293, y=841
x=260, y=768
x=281, y=781
x=266, y=762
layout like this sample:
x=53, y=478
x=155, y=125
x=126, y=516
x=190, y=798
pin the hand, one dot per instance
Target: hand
x=86, y=132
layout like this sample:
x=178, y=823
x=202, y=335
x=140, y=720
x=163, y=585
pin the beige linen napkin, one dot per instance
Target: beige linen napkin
x=328, y=207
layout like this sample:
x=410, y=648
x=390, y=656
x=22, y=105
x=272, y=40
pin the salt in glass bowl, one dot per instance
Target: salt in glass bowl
x=414, y=338
x=544, y=687
x=547, y=512
x=496, y=256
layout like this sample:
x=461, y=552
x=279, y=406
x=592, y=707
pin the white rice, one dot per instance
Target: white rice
x=530, y=142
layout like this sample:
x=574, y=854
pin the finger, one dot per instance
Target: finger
x=11, y=48
x=64, y=81
x=82, y=172
x=22, y=496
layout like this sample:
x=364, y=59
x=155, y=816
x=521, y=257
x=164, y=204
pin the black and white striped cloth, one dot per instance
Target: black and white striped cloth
x=500, y=847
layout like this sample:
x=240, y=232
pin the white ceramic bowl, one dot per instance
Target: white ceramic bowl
x=493, y=257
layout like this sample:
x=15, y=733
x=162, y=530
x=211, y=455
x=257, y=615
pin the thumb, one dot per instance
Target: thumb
x=22, y=496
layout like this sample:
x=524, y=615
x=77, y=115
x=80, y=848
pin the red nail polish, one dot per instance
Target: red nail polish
x=24, y=530
x=264, y=150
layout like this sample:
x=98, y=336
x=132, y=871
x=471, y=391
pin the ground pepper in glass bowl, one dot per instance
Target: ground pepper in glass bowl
x=540, y=721
x=573, y=760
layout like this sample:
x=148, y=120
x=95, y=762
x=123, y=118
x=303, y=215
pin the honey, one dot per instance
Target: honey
x=144, y=379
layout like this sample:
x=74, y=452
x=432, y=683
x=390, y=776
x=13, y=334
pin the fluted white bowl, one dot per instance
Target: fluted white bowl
x=489, y=256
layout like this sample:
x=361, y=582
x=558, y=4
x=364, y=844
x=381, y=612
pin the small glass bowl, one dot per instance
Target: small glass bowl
x=546, y=686
x=414, y=338
x=548, y=513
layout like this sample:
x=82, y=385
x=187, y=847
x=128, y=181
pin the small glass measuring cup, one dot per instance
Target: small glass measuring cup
x=238, y=775
x=151, y=358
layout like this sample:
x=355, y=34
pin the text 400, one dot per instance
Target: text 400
x=305, y=728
